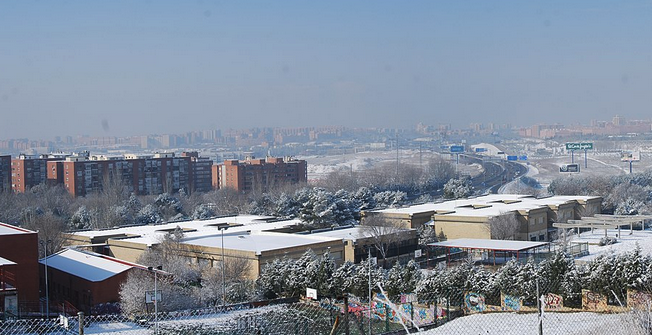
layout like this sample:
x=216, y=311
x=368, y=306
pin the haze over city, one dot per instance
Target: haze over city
x=128, y=68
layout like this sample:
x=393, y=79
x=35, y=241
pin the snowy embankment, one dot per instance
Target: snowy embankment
x=625, y=242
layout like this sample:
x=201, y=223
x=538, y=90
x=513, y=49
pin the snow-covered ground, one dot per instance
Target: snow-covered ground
x=553, y=324
x=131, y=328
x=320, y=166
x=626, y=242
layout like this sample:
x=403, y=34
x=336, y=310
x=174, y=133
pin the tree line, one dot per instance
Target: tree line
x=627, y=194
x=610, y=275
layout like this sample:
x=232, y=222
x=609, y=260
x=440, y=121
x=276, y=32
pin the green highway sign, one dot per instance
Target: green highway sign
x=579, y=146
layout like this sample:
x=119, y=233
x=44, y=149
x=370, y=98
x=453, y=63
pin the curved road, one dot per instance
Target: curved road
x=495, y=174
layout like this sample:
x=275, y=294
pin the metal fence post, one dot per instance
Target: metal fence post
x=386, y=317
x=346, y=314
x=81, y=322
x=539, y=309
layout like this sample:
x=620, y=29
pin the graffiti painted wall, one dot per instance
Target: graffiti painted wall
x=592, y=301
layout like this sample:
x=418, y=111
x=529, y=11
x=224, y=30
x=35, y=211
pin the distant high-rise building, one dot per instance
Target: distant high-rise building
x=5, y=173
x=618, y=120
x=259, y=174
x=140, y=174
x=28, y=171
x=201, y=172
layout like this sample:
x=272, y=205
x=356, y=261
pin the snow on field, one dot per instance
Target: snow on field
x=131, y=328
x=553, y=324
x=626, y=242
x=320, y=166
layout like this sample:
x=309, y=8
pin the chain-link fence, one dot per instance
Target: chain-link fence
x=544, y=310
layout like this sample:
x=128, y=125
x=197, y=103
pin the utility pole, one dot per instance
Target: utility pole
x=222, y=229
x=155, y=270
x=47, y=290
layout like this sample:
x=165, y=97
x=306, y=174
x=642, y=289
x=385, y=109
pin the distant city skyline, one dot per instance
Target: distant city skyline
x=130, y=68
x=642, y=126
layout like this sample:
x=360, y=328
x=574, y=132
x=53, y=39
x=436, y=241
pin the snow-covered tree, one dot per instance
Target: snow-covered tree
x=631, y=206
x=458, y=188
x=203, y=211
x=342, y=279
x=168, y=206
x=173, y=296
x=360, y=281
x=518, y=279
x=273, y=279
x=554, y=275
x=148, y=214
x=427, y=235
x=484, y=282
x=286, y=207
x=319, y=274
x=402, y=279
x=365, y=198
x=390, y=198
x=81, y=219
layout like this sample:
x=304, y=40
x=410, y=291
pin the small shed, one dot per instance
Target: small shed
x=85, y=279
x=492, y=251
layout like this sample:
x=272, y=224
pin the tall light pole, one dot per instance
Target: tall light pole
x=222, y=229
x=155, y=270
x=44, y=244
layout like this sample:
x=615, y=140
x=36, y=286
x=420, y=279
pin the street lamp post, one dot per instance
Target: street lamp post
x=154, y=269
x=44, y=244
x=222, y=229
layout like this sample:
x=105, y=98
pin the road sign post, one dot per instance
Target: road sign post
x=457, y=149
x=572, y=146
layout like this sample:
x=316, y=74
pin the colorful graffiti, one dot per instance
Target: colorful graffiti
x=553, y=302
x=420, y=314
x=474, y=302
x=639, y=300
x=592, y=301
x=510, y=302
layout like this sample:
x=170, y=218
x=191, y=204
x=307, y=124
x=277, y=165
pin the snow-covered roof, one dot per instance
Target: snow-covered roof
x=471, y=243
x=4, y=261
x=7, y=229
x=88, y=266
x=351, y=234
x=487, y=205
x=256, y=241
x=153, y=234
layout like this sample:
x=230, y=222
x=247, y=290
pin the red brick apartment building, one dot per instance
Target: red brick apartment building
x=162, y=172
x=259, y=174
x=27, y=172
x=82, y=174
x=5, y=173
x=19, y=272
x=200, y=173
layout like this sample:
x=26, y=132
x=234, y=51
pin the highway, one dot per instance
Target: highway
x=496, y=172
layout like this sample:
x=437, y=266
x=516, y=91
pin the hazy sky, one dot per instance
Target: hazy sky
x=174, y=66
